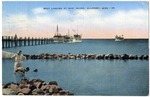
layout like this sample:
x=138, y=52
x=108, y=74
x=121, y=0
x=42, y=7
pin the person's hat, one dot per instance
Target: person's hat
x=19, y=52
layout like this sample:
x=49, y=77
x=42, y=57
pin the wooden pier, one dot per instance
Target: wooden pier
x=14, y=41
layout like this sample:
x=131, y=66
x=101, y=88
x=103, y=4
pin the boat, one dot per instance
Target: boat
x=119, y=38
x=58, y=38
x=68, y=39
x=77, y=38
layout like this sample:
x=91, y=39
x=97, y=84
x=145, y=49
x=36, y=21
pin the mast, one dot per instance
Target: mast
x=57, y=30
x=68, y=32
x=77, y=30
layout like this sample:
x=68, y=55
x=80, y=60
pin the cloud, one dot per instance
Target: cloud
x=86, y=21
x=88, y=13
x=45, y=19
x=13, y=22
x=62, y=13
x=133, y=18
x=39, y=10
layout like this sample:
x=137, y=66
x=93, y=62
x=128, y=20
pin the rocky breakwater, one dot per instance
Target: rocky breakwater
x=34, y=87
x=87, y=56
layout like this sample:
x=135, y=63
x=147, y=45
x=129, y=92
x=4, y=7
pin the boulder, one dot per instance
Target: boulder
x=34, y=92
x=131, y=57
x=14, y=87
x=33, y=87
x=40, y=91
x=110, y=56
x=25, y=91
x=38, y=84
x=9, y=91
x=146, y=57
x=53, y=89
x=53, y=83
x=141, y=57
x=6, y=85
x=20, y=94
x=125, y=56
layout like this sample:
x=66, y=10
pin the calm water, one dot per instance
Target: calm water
x=88, y=77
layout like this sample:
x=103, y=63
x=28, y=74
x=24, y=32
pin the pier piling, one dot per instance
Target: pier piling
x=14, y=41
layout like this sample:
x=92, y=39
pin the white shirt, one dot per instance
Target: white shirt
x=18, y=58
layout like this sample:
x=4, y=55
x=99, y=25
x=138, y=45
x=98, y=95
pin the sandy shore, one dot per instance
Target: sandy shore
x=6, y=54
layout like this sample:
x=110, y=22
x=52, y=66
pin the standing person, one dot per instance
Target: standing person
x=18, y=62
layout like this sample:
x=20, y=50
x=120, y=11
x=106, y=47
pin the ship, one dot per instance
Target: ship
x=58, y=38
x=119, y=38
x=77, y=38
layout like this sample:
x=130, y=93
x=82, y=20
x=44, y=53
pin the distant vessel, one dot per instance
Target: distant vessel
x=119, y=38
x=58, y=38
x=77, y=38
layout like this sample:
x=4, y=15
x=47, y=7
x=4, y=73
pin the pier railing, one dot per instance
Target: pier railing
x=10, y=41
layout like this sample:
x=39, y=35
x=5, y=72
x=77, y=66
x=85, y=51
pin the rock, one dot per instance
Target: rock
x=146, y=57
x=47, y=94
x=47, y=54
x=34, y=92
x=86, y=56
x=110, y=56
x=9, y=91
x=20, y=94
x=59, y=89
x=125, y=56
x=141, y=57
x=70, y=94
x=45, y=83
x=25, y=91
x=47, y=57
x=7, y=85
x=136, y=57
x=40, y=92
x=53, y=83
x=131, y=57
x=71, y=57
x=27, y=56
x=38, y=84
x=53, y=89
x=27, y=69
x=24, y=81
x=99, y=57
x=45, y=87
x=91, y=56
x=117, y=57
x=62, y=92
x=32, y=87
x=106, y=56
x=14, y=87
x=46, y=91
x=37, y=92
x=23, y=86
x=36, y=70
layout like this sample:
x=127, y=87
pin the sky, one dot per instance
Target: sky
x=91, y=19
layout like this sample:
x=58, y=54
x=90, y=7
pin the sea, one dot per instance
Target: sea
x=88, y=77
